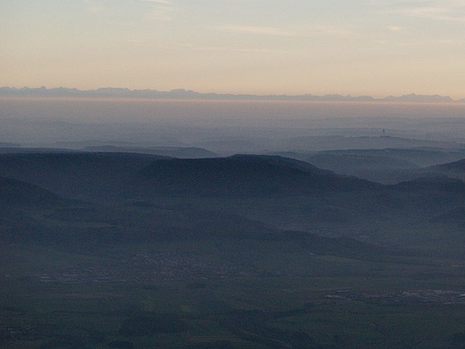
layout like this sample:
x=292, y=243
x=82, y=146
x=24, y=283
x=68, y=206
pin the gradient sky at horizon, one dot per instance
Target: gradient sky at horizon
x=358, y=47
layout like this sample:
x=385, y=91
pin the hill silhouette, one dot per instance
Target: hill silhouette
x=176, y=152
x=456, y=166
x=455, y=169
x=246, y=175
x=17, y=193
x=78, y=175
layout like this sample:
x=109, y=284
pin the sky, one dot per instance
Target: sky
x=357, y=47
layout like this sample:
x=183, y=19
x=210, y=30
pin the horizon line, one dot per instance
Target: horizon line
x=186, y=94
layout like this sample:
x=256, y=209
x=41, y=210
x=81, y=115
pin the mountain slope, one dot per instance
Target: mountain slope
x=454, y=168
x=76, y=175
x=18, y=193
x=386, y=166
x=246, y=175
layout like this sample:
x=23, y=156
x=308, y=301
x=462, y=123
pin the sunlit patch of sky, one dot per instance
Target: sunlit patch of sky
x=376, y=47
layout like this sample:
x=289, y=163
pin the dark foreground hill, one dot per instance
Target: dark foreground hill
x=14, y=193
x=32, y=215
x=282, y=193
x=76, y=175
x=245, y=175
x=95, y=176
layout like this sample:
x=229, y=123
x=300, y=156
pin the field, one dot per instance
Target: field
x=182, y=296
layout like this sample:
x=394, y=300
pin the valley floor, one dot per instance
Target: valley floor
x=169, y=295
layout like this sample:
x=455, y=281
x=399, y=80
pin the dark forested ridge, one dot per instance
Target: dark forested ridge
x=17, y=193
x=246, y=175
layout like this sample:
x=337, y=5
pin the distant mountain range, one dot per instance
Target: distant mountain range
x=188, y=94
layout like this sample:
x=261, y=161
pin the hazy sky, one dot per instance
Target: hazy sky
x=376, y=47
